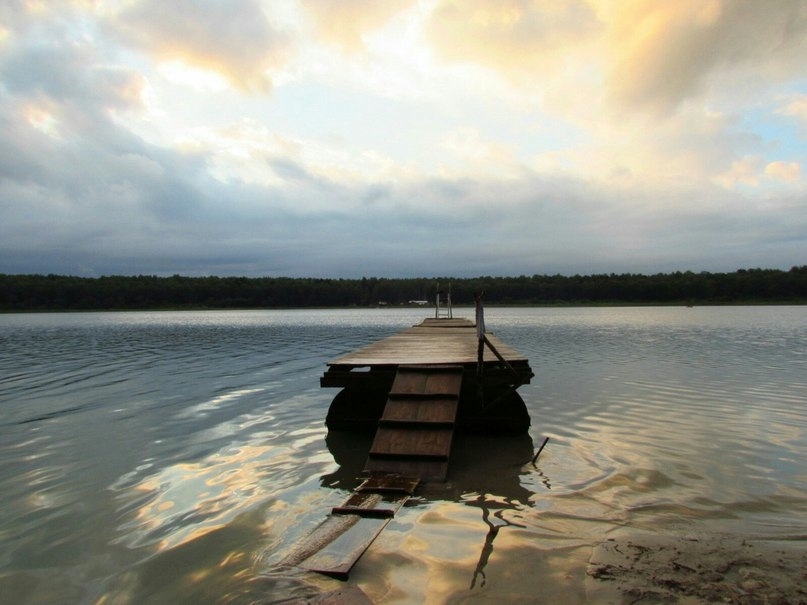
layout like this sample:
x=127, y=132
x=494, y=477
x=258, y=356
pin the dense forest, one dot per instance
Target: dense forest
x=58, y=292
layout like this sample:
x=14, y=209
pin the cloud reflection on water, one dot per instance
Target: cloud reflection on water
x=184, y=501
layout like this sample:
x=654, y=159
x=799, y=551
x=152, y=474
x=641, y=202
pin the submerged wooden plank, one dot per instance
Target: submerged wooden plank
x=338, y=556
x=346, y=595
x=385, y=483
x=365, y=513
x=426, y=469
x=338, y=542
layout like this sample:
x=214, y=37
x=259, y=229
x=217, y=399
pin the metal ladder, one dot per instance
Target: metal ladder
x=442, y=306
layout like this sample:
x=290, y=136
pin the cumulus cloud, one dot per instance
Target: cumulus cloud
x=231, y=38
x=666, y=52
x=637, y=55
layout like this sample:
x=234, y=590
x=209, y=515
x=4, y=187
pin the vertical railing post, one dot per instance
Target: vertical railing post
x=480, y=349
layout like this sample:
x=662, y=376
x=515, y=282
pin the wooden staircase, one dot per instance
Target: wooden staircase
x=417, y=427
x=412, y=443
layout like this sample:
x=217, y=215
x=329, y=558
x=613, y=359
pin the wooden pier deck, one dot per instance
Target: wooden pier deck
x=434, y=341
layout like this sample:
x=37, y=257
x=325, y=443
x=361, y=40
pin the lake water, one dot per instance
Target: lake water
x=176, y=457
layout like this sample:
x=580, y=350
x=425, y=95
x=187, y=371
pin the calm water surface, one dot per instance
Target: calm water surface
x=177, y=457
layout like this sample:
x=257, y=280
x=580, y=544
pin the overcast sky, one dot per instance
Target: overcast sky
x=402, y=138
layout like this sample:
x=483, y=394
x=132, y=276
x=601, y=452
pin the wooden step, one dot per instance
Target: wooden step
x=431, y=380
x=411, y=409
x=416, y=429
x=412, y=442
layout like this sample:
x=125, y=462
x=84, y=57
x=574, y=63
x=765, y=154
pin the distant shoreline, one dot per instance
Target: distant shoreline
x=28, y=293
x=460, y=308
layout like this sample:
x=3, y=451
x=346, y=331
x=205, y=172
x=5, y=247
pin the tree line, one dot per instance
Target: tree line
x=63, y=292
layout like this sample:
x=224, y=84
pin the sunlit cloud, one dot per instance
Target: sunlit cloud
x=345, y=23
x=235, y=40
x=745, y=171
x=664, y=53
x=41, y=119
x=526, y=40
x=199, y=80
x=797, y=108
x=784, y=171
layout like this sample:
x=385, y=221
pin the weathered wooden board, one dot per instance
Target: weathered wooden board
x=338, y=542
x=412, y=442
x=410, y=409
x=335, y=546
x=426, y=380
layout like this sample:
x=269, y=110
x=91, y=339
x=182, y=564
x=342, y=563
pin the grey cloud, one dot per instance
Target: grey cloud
x=294, y=172
x=254, y=231
x=110, y=203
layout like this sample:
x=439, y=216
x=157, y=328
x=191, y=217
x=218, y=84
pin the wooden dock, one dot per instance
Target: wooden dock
x=414, y=388
x=488, y=400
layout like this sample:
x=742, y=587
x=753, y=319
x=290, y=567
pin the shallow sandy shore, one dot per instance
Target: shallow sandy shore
x=692, y=570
